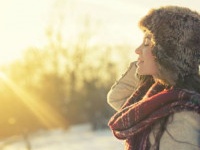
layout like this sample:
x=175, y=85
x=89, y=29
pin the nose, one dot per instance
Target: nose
x=138, y=50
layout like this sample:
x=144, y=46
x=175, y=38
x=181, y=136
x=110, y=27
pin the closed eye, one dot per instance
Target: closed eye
x=146, y=42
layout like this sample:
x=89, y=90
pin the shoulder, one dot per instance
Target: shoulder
x=183, y=132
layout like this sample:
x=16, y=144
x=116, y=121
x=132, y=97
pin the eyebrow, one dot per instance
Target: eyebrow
x=148, y=36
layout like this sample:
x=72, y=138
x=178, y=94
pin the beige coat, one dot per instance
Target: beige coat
x=123, y=88
x=183, y=133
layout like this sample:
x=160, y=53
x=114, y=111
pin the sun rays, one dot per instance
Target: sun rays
x=43, y=111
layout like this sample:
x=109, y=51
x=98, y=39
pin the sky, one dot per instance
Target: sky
x=23, y=22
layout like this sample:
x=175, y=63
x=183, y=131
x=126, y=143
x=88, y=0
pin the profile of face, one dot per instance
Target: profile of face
x=146, y=64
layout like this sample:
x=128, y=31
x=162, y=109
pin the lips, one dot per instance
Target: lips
x=139, y=62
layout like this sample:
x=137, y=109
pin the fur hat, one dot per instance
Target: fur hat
x=176, y=33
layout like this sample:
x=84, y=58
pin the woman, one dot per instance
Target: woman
x=163, y=113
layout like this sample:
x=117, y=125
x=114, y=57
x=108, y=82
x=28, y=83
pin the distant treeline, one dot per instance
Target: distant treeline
x=57, y=86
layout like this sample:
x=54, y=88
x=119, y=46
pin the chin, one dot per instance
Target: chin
x=140, y=72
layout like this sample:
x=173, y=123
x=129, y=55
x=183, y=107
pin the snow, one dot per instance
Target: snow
x=79, y=137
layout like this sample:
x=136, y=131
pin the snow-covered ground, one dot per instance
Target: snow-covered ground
x=79, y=137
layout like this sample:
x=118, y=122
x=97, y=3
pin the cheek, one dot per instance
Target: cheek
x=149, y=67
x=151, y=64
x=153, y=69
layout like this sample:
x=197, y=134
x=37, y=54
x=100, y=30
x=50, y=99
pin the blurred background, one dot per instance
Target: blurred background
x=58, y=60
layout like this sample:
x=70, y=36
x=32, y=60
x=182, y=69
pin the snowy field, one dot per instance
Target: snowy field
x=76, y=138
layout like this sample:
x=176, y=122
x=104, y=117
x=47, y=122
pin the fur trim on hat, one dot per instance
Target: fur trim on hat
x=176, y=33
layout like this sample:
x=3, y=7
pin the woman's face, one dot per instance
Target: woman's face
x=146, y=64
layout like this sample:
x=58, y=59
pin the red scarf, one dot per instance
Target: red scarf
x=134, y=121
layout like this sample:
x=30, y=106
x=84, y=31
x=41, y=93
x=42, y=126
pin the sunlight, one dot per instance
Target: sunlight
x=41, y=110
x=22, y=25
x=3, y=76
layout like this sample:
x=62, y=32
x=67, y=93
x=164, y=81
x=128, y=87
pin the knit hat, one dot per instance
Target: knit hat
x=176, y=33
